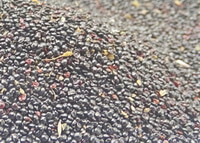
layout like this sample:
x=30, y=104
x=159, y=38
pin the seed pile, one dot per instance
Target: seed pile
x=67, y=78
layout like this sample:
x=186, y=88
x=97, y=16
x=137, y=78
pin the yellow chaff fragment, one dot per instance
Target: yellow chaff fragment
x=78, y=30
x=181, y=48
x=146, y=110
x=109, y=55
x=197, y=47
x=53, y=18
x=36, y=1
x=62, y=19
x=64, y=126
x=182, y=63
x=92, y=51
x=178, y=2
x=144, y=12
x=128, y=16
x=139, y=82
x=135, y=3
x=16, y=82
x=155, y=57
x=130, y=99
x=140, y=58
x=163, y=92
x=105, y=52
x=59, y=128
x=133, y=95
x=3, y=90
x=21, y=91
x=54, y=95
x=102, y=94
x=66, y=54
x=122, y=32
x=1, y=59
x=132, y=108
x=124, y=114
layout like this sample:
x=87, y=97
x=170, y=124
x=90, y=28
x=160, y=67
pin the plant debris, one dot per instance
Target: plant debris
x=182, y=64
x=139, y=82
x=163, y=93
x=178, y=2
x=66, y=54
x=124, y=114
x=21, y=91
x=61, y=127
x=197, y=47
x=36, y=1
x=109, y=55
x=135, y=3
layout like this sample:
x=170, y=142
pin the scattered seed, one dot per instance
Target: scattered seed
x=163, y=106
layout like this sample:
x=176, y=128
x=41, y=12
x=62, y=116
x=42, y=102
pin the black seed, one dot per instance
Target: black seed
x=78, y=136
x=44, y=138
